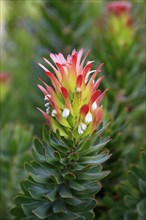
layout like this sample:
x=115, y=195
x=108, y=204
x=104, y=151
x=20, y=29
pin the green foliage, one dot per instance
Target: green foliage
x=124, y=70
x=65, y=25
x=63, y=178
x=133, y=193
x=16, y=60
x=15, y=145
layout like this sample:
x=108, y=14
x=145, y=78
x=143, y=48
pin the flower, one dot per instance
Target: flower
x=118, y=7
x=73, y=100
x=4, y=77
x=121, y=10
x=4, y=85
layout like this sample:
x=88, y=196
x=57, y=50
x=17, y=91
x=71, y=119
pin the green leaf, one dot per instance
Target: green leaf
x=69, y=176
x=133, y=179
x=52, y=195
x=143, y=161
x=28, y=207
x=76, y=186
x=59, y=207
x=37, y=192
x=84, y=146
x=42, y=212
x=130, y=215
x=57, y=155
x=17, y=212
x=130, y=201
x=65, y=192
x=142, y=186
x=73, y=156
x=99, y=159
x=38, y=146
x=92, y=176
x=141, y=207
x=98, y=147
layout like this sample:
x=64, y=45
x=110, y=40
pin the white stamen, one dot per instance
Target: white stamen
x=78, y=89
x=46, y=98
x=47, y=104
x=53, y=113
x=65, y=112
x=88, y=117
x=80, y=131
x=83, y=126
x=47, y=110
x=94, y=106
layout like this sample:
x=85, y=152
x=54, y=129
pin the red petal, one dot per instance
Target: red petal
x=97, y=83
x=46, y=116
x=74, y=59
x=95, y=73
x=86, y=69
x=64, y=92
x=101, y=97
x=44, y=91
x=86, y=55
x=60, y=68
x=84, y=109
x=95, y=96
x=79, y=81
x=97, y=117
x=54, y=81
x=49, y=88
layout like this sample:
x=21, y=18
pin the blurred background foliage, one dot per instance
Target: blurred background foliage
x=30, y=30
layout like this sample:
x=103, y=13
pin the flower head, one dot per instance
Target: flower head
x=118, y=7
x=73, y=100
x=120, y=10
x=4, y=85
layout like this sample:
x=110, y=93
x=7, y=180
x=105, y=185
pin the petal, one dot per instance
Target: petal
x=84, y=109
x=86, y=55
x=64, y=92
x=54, y=81
x=44, y=91
x=86, y=69
x=43, y=67
x=58, y=74
x=46, y=116
x=49, y=88
x=79, y=81
x=97, y=117
x=95, y=74
x=94, y=97
x=101, y=97
x=97, y=83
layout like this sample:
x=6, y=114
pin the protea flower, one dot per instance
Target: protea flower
x=67, y=164
x=4, y=85
x=118, y=7
x=73, y=103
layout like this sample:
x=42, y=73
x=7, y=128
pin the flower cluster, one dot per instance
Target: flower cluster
x=73, y=100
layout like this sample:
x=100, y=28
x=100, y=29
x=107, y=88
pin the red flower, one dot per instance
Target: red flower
x=118, y=7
